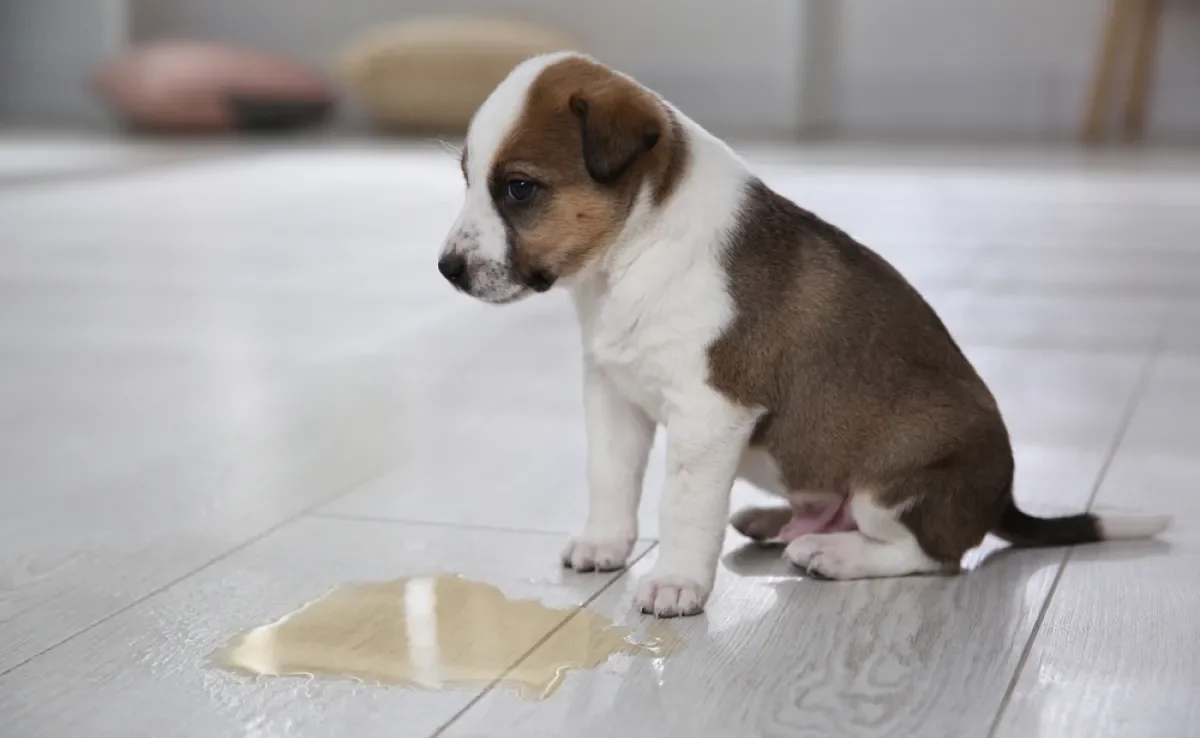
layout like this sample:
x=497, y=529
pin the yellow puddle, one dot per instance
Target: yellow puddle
x=435, y=633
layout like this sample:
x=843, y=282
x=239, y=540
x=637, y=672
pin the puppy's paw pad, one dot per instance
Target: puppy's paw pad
x=670, y=597
x=597, y=553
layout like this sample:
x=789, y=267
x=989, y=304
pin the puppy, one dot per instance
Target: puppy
x=770, y=345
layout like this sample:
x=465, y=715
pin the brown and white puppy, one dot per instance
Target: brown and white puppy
x=770, y=344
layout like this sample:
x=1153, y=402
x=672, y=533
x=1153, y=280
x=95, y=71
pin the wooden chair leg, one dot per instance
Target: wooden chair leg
x=1145, y=50
x=1120, y=13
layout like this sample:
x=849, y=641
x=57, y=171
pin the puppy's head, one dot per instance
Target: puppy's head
x=556, y=160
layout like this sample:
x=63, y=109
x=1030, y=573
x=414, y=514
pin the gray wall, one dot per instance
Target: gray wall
x=769, y=67
x=731, y=64
x=996, y=66
x=47, y=49
x=752, y=67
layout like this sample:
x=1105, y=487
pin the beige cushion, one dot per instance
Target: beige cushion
x=430, y=75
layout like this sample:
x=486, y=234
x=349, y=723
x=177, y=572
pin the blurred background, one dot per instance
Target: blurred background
x=762, y=69
x=231, y=376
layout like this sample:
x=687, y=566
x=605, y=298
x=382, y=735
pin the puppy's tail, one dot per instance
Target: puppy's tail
x=1022, y=529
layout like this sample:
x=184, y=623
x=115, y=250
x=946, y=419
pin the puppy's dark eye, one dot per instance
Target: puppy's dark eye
x=520, y=190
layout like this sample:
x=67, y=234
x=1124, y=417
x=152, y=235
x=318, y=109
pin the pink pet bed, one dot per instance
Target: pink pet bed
x=194, y=87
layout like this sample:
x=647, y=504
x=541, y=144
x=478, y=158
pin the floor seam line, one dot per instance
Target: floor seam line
x=121, y=171
x=541, y=641
x=211, y=562
x=350, y=517
x=1135, y=400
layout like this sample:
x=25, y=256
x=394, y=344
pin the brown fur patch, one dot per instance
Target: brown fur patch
x=591, y=140
x=863, y=385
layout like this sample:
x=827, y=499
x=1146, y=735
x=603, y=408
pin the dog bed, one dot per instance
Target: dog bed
x=194, y=87
x=430, y=75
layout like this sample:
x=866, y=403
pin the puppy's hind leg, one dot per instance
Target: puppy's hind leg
x=809, y=512
x=761, y=523
x=882, y=547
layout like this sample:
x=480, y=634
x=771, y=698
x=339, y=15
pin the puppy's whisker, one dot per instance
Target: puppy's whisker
x=448, y=147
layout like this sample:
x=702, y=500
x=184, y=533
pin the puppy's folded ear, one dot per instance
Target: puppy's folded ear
x=617, y=125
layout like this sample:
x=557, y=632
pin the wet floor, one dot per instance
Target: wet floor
x=435, y=633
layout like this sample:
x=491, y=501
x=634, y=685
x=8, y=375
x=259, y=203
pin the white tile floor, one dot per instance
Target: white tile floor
x=229, y=384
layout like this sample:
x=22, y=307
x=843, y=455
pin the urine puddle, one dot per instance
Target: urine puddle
x=435, y=633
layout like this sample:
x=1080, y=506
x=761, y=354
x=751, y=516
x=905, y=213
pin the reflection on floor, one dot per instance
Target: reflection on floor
x=231, y=383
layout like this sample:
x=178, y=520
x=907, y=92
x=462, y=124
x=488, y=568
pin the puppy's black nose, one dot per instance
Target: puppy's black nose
x=454, y=268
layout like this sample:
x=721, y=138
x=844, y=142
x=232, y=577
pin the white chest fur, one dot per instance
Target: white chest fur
x=650, y=312
x=649, y=331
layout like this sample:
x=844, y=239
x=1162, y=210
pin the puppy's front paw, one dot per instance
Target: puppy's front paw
x=597, y=552
x=667, y=596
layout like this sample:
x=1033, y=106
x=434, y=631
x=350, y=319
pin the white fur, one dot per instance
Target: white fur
x=479, y=233
x=881, y=547
x=648, y=310
x=648, y=313
x=1118, y=526
x=619, y=435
